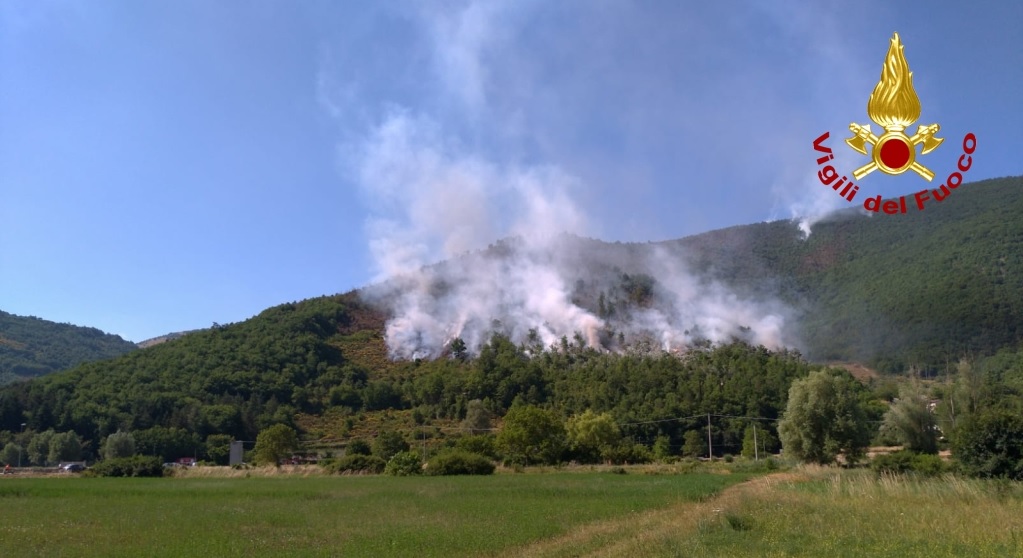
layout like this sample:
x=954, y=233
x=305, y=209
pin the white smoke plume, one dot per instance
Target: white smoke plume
x=435, y=209
x=435, y=203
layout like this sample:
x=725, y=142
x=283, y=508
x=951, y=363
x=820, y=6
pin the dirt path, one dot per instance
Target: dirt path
x=627, y=536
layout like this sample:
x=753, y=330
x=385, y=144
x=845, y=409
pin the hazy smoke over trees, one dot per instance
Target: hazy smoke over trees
x=434, y=202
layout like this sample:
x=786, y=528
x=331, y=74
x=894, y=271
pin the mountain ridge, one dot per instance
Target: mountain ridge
x=32, y=346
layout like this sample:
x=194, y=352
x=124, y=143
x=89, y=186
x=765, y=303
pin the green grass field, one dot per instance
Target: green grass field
x=803, y=512
x=824, y=513
x=325, y=516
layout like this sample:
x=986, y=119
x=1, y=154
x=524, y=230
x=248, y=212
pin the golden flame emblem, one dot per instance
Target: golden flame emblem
x=894, y=105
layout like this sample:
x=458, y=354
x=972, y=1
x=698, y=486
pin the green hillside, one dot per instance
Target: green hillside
x=916, y=290
x=919, y=290
x=32, y=346
x=321, y=365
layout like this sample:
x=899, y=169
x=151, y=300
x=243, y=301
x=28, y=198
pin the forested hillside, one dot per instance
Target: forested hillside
x=898, y=291
x=326, y=357
x=32, y=346
x=923, y=290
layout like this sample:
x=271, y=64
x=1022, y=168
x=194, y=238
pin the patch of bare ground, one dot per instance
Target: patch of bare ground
x=631, y=535
x=859, y=371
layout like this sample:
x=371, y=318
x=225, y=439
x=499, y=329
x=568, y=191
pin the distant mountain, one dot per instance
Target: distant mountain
x=31, y=346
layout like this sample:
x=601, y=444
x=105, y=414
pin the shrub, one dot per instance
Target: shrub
x=135, y=466
x=459, y=462
x=929, y=465
x=909, y=462
x=358, y=447
x=898, y=462
x=480, y=444
x=388, y=444
x=403, y=464
x=627, y=452
x=356, y=464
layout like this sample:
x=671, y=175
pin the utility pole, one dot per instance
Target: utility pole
x=756, y=448
x=20, y=448
x=710, y=443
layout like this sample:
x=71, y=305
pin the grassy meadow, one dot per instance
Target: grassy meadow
x=322, y=515
x=821, y=513
x=801, y=512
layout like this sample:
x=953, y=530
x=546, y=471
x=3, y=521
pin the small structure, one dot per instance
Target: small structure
x=237, y=453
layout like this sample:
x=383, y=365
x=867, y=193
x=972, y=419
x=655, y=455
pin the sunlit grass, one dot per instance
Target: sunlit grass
x=323, y=516
x=847, y=513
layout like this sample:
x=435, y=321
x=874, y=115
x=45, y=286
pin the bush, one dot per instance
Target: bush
x=135, y=466
x=404, y=464
x=388, y=444
x=358, y=447
x=627, y=453
x=908, y=462
x=898, y=462
x=356, y=464
x=480, y=444
x=459, y=462
x=929, y=465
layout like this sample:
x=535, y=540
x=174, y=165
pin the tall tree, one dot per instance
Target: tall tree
x=275, y=443
x=824, y=417
x=910, y=421
x=532, y=435
x=119, y=444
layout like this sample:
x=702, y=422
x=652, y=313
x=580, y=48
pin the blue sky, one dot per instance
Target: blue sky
x=165, y=165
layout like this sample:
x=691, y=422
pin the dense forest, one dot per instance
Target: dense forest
x=326, y=356
x=32, y=346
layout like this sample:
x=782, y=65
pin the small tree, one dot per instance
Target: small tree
x=823, y=418
x=694, y=444
x=662, y=448
x=66, y=446
x=764, y=441
x=275, y=443
x=591, y=436
x=532, y=435
x=358, y=447
x=404, y=464
x=910, y=421
x=119, y=444
x=39, y=447
x=477, y=417
x=458, y=349
x=218, y=448
x=388, y=444
x=11, y=454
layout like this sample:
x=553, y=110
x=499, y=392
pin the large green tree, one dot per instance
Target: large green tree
x=119, y=444
x=532, y=435
x=66, y=446
x=592, y=435
x=275, y=443
x=824, y=418
x=989, y=443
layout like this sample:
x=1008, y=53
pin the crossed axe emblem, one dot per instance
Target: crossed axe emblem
x=901, y=158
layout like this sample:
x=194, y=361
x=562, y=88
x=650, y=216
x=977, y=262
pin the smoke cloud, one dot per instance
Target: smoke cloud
x=439, y=206
x=436, y=207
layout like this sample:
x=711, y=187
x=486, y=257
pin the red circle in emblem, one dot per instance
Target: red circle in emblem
x=895, y=153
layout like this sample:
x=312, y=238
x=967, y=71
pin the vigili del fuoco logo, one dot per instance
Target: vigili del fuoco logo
x=894, y=106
